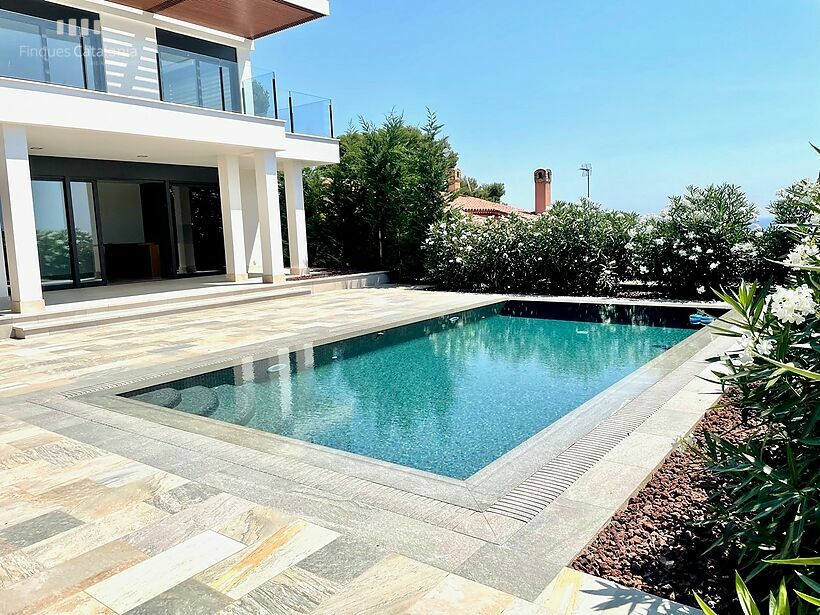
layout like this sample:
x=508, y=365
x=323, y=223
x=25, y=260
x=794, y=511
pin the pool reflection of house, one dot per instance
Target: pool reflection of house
x=137, y=142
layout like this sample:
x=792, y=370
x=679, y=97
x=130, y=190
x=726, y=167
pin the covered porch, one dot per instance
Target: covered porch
x=244, y=240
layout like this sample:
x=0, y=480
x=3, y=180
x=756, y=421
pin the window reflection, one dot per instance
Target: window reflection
x=51, y=226
x=87, y=240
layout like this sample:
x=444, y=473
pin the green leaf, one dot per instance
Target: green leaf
x=781, y=605
x=704, y=607
x=797, y=561
x=814, y=585
x=747, y=603
x=807, y=598
x=792, y=368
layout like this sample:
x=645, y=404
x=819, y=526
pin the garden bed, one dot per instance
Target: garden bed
x=659, y=543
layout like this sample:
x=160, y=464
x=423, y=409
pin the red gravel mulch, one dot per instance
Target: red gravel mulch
x=658, y=543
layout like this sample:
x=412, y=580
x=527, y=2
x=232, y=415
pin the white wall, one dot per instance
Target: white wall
x=130, y=57
x=121, y=212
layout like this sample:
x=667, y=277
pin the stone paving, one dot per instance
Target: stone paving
x=106, y=513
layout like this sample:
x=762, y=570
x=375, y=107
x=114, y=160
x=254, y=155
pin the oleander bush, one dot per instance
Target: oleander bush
x=703, y=239
x=773, y=511
x=793, y=205
x=573, y=249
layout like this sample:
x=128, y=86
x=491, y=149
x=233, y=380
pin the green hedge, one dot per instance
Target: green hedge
x=703, y=240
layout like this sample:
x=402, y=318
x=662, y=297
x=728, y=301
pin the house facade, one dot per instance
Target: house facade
x=137, y=142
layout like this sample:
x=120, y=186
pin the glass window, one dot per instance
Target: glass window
x=65, y=59
x=52, y=232
x=21, y=48
x=193, y=79
x=42, y=50
x=179, y=80
x=85, y=231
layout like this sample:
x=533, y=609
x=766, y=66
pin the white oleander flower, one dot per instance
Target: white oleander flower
x=630, y=246
x=710, y=251
x=667, y=270
x=764, y=347
x=792, y=305
x=698, y=249
x=701, y=290
x=714, y=266
x=659, y=241
x=803, y=255
x=693, y=257
x=644, y=269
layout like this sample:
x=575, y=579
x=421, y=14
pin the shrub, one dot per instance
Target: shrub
x=703, y=239
x=774, y=508
x=779, y=601
x=373, y=209
x=793, y=205
x=575, y=248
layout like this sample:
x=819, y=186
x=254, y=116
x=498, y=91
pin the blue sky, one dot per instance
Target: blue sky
x=656, y=95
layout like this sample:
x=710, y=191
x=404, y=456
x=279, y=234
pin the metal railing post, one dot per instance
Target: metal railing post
x=275, y=100
x=222, y=88
x=332, y=131
x=290, y=106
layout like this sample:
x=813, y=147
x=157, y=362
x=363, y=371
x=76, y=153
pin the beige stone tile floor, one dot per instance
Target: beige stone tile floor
x=85, y=530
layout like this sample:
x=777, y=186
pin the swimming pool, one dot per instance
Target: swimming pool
x=447, y=395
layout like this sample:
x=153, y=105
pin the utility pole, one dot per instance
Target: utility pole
x=586, y=171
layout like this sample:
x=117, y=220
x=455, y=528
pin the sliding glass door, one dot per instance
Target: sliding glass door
x=86, y=234
x=65, y=218
x=198, y=221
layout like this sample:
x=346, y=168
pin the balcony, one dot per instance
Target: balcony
x=304, y=114
x=46, y=51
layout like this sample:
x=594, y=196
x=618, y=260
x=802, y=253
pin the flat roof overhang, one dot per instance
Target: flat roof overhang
x=249, y=19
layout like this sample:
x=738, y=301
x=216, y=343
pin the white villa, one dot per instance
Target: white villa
x=138, y=143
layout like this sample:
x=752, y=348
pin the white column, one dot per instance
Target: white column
x=232, y=229
x=270, y=223
x=18, y=221
x=297, y=229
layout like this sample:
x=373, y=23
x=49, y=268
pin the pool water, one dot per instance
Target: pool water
x=448, y=395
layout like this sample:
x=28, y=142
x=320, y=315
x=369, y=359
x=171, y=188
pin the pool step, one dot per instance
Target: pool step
x=46, y=323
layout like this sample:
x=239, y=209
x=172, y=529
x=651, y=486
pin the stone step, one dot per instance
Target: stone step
x=141, y=300
x=49, y=322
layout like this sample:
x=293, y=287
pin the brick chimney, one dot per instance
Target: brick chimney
x=455, y=180
x=543, y=190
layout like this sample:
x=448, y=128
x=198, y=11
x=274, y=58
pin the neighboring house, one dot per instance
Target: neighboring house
x=136, y=142
x=483, y=209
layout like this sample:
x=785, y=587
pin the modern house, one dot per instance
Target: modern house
x=137, y=143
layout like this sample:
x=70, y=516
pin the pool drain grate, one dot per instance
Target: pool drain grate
x=532, y=496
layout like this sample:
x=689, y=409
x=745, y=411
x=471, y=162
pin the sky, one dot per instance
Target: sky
x=655, y=95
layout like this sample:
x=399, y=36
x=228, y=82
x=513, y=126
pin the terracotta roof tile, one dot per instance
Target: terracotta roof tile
x=482, y=207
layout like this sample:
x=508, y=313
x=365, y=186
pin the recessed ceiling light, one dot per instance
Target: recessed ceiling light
x=36, y=149
x=141, y=156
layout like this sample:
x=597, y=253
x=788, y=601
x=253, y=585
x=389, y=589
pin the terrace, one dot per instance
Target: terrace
x=361, y=534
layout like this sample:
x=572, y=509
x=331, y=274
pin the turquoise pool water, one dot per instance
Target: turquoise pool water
x=448, y=395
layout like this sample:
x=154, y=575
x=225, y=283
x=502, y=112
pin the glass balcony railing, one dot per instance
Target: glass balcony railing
x=303, y=113
x=72, y=54
x=194, y=79
x=63, y=53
